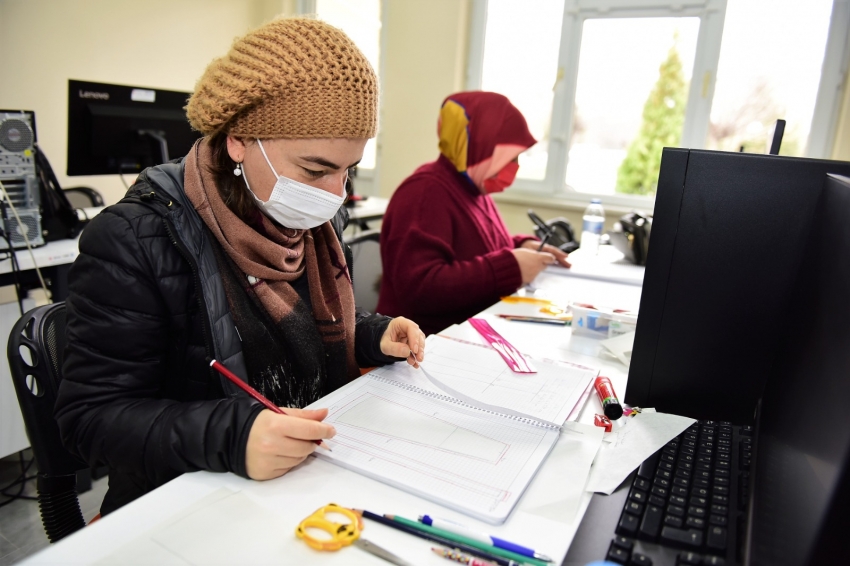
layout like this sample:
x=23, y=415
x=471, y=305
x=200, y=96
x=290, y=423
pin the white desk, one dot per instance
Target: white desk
x=179, y=508
x=364, y=211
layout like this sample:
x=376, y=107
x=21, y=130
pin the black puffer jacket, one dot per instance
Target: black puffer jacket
x=146, y=312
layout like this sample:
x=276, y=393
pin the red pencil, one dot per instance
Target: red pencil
x=252, y=392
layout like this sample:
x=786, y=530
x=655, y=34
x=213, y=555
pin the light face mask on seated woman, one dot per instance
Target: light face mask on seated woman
x=297, y=205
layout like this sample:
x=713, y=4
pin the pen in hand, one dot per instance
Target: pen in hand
x=543, y=241
x=219, y=367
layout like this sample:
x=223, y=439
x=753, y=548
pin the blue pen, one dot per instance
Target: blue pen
x=484, y=538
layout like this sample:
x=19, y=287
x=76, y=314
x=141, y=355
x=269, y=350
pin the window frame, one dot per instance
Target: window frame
x=553, y=189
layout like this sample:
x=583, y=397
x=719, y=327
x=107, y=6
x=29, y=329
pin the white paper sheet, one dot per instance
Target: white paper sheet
x=636, y=441
x=621, y=347
x=557, y=490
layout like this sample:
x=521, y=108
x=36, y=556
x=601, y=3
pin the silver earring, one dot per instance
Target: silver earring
x=238, y=171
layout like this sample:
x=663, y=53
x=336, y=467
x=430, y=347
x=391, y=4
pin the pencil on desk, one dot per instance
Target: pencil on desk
x=219, y=367
x=434, y=538
x=471, y=543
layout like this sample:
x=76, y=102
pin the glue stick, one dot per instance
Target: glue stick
x=610, y=405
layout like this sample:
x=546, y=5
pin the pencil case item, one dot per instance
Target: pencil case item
x=601, y=322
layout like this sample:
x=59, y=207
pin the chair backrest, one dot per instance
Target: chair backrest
x=83, y=197
x=36, y=354
x=366, y=269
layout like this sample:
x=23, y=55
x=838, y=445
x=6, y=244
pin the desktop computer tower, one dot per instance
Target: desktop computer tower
x=18, y=175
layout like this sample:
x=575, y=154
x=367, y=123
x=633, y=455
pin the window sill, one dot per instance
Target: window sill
x=572, y=201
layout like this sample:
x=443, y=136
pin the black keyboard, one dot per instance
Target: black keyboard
x=687, y=502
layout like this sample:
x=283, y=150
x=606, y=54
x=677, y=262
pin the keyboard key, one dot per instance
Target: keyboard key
x=688, y=559
x=617, y=554
x=638, y=496
x=634, y=508
x=698, y=501
x=696, y=512
x=676, y=510
x=628, y=525
x=666, y=457
x=721, y=473
x=716, y=538
x=665, y=474
x=718, y=520
x=681, y=482
x=747, y=430
x=665, y=466
x=695, y=522
x=676, y=500
x=647, y=469
x=624, y=543
x=661, y=482
x=713, y=561
x=659, y=491
x=703, y=466
x=685, y=465
x=641, y=484
x=651, y=523
x=680, y=491
x=721, y=481
x=720, y=500
x=690, y=538
x=699, y=482
x=657, y=501
x=686, y=458
x=720, y=509
x=720, y=490
x=673, y=521
x=640, y=560
x=699, y=492
x=687, y=451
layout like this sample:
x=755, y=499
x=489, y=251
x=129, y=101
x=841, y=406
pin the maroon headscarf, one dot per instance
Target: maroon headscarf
x=481, y=132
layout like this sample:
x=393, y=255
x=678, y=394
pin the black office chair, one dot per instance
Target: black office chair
x=367, y=269
x=36, y=353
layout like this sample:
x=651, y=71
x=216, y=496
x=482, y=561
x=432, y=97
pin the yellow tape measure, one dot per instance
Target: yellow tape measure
x=342, y=534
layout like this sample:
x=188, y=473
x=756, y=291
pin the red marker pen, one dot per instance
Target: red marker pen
x=610, y=405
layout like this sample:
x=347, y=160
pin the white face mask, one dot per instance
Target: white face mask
x=296, y=205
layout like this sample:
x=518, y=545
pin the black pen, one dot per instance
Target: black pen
x=543, y=241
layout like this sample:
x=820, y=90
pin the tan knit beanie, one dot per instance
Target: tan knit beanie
x=291, y=78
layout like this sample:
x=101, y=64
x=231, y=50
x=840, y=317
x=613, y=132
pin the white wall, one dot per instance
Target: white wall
x=154, y=43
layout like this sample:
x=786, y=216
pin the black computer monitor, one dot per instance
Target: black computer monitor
x=728, y=239
x=123, y=129
x=800, y=504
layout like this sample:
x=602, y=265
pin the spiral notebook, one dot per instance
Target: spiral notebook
x=461, y=450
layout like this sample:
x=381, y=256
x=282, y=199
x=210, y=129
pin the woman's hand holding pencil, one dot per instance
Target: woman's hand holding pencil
x=279, y=440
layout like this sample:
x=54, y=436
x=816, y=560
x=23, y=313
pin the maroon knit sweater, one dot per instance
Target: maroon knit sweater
x=445, y=249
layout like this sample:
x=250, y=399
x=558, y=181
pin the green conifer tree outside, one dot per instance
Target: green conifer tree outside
x=663, y=118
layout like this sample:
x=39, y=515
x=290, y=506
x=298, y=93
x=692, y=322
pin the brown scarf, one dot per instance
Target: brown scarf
x=275, y=255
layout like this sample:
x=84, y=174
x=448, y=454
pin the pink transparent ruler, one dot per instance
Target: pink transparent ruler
x=513, y=357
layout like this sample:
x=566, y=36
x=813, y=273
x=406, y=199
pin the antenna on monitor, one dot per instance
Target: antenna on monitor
x=778, y=131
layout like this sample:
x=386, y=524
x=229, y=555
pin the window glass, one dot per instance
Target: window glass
x=361, y=20
x=632, y=89
x=770, y=67
x=521, y=61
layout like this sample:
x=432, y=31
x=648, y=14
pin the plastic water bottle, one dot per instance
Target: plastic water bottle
x=591, y=230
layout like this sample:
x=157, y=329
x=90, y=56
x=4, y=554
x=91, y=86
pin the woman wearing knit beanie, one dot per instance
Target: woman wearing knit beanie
x=232, y=253
x=446, y=251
